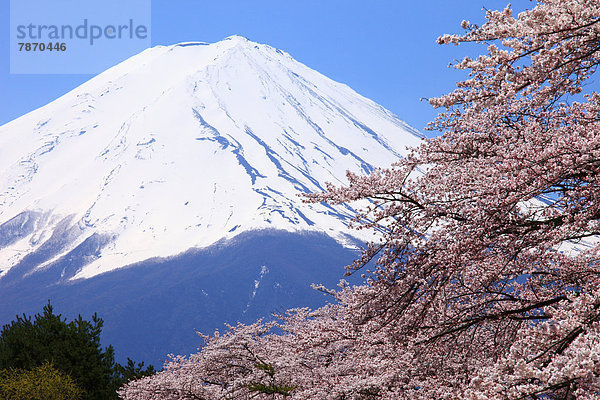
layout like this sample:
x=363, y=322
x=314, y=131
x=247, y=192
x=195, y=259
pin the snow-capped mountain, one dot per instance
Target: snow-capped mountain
x=177, y=148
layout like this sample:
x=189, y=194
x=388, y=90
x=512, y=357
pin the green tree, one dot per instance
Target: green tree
x=42, y=383
x=73, y=348
x=131, y=371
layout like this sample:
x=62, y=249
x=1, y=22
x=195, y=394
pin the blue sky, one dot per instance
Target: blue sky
x=384, y=49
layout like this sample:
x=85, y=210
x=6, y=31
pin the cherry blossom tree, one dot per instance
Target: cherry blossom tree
x=483, y=281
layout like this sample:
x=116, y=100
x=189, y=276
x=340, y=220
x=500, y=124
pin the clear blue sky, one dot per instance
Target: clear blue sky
x=384, y=49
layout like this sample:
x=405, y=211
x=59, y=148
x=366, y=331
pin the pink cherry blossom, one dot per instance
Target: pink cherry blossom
x=484, y=279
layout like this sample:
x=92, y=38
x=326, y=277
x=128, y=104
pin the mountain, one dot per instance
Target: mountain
x=171, y=162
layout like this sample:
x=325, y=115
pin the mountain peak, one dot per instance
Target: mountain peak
x=235, y=39
x=179, y=147
x=238, y=38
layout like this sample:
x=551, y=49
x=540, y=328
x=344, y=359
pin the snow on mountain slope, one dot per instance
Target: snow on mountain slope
x=179, y=147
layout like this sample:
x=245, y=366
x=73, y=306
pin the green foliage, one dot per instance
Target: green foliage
x=73, y=348
x=42, y=383
x=271, y=388
x=131, y=371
